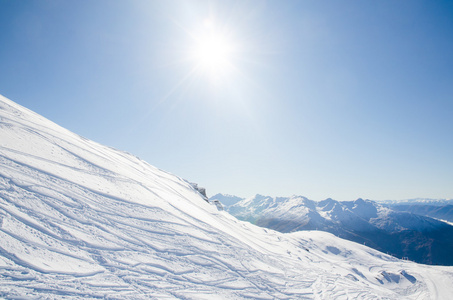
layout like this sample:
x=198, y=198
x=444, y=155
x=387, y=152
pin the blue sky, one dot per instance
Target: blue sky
x=340, y=99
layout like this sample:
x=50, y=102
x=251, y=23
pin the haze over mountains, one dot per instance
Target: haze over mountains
x=82, y=220
x=435, y=208
x=434, y=211
x=394, y=229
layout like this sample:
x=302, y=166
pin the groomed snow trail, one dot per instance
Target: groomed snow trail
x=82, y=220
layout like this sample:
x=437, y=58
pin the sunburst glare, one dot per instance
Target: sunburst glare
x=213, y=50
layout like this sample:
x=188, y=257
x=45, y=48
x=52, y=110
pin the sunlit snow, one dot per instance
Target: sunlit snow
x=82, y=220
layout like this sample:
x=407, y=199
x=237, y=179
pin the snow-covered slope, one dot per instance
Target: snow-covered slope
x=81, y=220
x=402, y=234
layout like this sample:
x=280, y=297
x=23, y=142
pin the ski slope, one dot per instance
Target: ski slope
x=82, y=220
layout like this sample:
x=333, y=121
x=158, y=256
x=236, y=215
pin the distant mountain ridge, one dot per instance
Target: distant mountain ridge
x=226, y=200
x=434, y=211
x=402, y=234
x=418, y=201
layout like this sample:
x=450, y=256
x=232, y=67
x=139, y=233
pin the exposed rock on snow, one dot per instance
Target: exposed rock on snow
x=201, y=190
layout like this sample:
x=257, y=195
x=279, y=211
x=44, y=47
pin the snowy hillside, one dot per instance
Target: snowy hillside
x=402, y=234
x=81, y=220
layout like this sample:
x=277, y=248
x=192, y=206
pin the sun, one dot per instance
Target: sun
x=213, y=51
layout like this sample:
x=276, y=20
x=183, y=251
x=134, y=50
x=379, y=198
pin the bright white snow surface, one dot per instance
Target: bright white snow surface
x=81, y=220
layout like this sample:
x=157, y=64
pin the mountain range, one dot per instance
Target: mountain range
x=82, y=220
x=389, y=229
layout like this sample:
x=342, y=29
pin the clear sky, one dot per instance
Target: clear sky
x=340, y=99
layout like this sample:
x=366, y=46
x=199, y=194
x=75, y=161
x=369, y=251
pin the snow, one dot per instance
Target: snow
x=445, y=221
x=82, y=220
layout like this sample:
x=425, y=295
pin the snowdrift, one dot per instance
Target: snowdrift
x=82, y=220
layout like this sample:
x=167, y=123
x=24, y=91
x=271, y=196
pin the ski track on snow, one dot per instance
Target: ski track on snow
x=81, y=220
